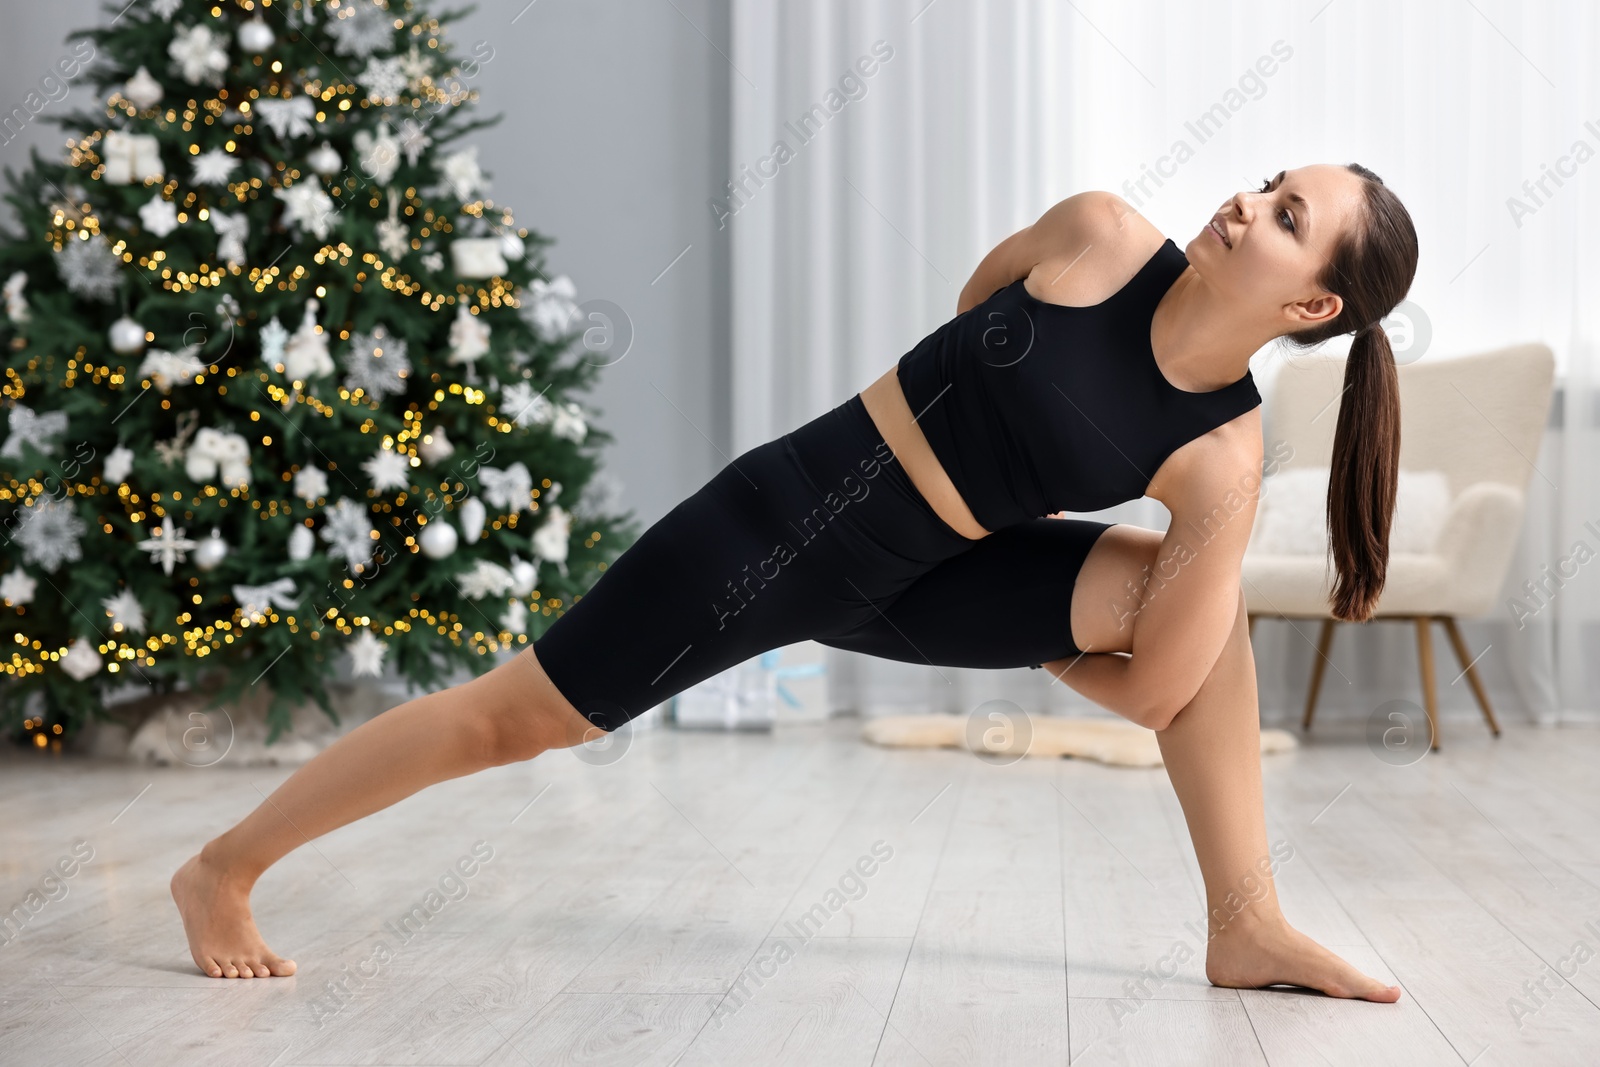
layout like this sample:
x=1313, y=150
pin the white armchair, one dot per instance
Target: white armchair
x=1479, y=420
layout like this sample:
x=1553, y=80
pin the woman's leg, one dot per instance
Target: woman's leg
x=1072, y=583
x=800, y=536
x=1212, y=752
x=511, y=713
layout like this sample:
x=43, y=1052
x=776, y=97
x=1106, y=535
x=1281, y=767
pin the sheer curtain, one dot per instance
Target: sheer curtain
x=881, y=147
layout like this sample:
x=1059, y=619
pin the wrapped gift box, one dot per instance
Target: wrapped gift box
x=788, y=684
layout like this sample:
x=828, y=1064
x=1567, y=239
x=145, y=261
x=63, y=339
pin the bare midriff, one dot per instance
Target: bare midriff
x=892, y=415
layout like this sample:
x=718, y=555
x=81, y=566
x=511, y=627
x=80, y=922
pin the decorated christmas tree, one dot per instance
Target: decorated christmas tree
x=285, y=391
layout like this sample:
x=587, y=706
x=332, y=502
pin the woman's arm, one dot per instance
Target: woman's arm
x=1063, y=230
x=1182, y=608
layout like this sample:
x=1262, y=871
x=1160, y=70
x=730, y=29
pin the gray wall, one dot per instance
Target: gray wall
x=614, y=137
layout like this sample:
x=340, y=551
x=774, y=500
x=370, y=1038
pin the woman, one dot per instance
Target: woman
x=1090, y=362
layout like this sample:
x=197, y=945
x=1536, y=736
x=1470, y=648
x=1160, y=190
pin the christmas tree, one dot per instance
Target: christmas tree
x=284, y=390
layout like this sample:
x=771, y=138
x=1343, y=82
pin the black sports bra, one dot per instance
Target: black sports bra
x=1034, y=407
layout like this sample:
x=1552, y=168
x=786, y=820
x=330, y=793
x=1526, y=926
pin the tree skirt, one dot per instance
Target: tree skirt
x=1114, y=741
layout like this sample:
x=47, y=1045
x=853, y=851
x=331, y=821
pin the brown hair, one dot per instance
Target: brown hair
x=1371, y=270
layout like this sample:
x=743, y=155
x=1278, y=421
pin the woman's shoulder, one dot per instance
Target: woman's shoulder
x=1094, y=241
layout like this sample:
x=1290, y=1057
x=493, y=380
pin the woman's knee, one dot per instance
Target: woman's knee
x=525, y=714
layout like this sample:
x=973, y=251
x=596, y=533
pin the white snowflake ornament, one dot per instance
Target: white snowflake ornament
x=307, y=206
x=89, y=268
x=361, y=27
x=435, y=446
x=461, y=171
x=393, y=237
x=272, y=337
x=376, y=364
x=485, y=579
x=349, y=533
x=310, y=484
x=48, y=531
x=515, y=619
x=413, y=140
x=119, y=464
x=388, y=469
x=125, y=612
x=214, y=167
x=167, y=546
x=366, y=655
x=415, y=64
x=199, y=54
x=159, y=217
x=17, y=588
x=525, y=407
x=383, y=79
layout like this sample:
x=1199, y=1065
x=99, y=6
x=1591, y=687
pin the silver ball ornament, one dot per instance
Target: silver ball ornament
x=325, y=160
x=126, y=337
x=255, y=36
x=211, y=551
x=438, y=539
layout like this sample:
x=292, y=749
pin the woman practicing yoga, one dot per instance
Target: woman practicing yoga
x=1090, y=362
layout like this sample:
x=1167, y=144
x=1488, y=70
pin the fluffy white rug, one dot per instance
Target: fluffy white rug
x=1114, y=741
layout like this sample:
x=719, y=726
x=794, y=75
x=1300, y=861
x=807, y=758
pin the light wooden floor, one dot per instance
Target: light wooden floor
x=1019, y=909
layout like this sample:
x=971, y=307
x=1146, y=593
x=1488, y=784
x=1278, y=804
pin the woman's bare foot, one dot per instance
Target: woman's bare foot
x=1252, y=954
x=223, y=939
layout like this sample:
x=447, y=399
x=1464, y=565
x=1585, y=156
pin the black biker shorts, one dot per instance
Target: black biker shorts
x=818, y=534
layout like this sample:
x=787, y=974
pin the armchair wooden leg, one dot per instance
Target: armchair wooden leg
x=1472, y=672
x=1324, y=642
x=1250, y=625
x=1430, y=699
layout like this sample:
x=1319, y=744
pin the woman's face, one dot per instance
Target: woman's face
x=1278, y=238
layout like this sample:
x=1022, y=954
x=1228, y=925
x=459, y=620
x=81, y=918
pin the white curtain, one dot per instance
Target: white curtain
x=853, y=238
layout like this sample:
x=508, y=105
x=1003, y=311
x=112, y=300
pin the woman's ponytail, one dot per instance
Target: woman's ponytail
x=1363, y=476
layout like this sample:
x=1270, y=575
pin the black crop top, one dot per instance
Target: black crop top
x=1034, y=407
